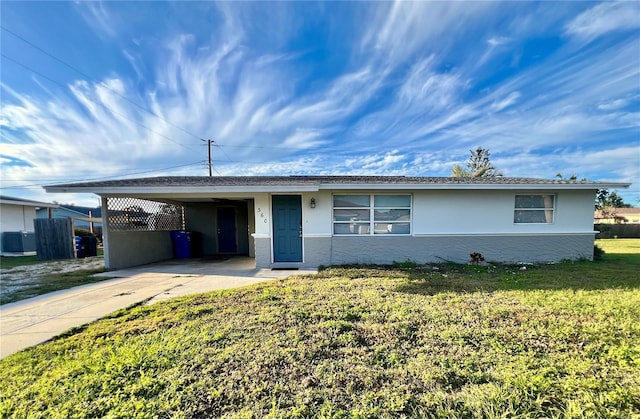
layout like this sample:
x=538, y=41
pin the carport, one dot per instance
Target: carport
x=256, y=217
x=138, y=230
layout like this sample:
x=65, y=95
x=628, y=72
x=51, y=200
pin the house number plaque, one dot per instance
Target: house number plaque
x=264, y=219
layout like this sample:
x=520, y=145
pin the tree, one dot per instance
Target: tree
x=478, y=165
x=606, y=202
x=571, y=178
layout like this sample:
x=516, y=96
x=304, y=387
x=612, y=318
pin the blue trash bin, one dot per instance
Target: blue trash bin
x=80, y=247
x=181, y=244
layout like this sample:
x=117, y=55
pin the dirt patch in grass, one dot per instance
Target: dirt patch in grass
x=30, y=280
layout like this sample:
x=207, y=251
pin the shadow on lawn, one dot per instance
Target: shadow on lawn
x=614, y=271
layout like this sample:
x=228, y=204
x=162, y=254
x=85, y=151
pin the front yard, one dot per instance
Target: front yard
x=25, y=276
x=435, y=341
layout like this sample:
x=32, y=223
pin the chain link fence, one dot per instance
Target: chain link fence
x=132, y=214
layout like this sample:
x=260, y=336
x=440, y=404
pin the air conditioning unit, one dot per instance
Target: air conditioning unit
x=18, y=242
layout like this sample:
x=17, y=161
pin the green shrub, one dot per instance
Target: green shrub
x=598, y=252
x=407, y=264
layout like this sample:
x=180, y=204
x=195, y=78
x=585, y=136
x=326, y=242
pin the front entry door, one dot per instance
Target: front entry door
x=227, y=240
x=287, y=228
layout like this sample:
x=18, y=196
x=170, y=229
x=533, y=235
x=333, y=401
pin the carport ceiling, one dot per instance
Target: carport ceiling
x=219, y=201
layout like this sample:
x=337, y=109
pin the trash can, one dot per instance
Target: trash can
x=80, y=247
x=181, y=244
x=90, y=244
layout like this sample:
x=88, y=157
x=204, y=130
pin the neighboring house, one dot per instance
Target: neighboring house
x=619, y=216
x=307, y=221
x=84, y=218
x=16, y=225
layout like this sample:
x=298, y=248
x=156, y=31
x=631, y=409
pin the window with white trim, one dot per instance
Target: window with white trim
x=371, y=214
x=534, y=209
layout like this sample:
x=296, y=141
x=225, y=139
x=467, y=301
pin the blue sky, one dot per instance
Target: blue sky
x=103, y=90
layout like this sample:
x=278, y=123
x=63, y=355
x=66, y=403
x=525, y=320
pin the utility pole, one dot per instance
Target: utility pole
x=209, y=142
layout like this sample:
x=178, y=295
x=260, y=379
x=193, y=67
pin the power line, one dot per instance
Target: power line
x=91, y=100
x=101, y=83
x=101, y=178
x=275, y=147
x=106, y=86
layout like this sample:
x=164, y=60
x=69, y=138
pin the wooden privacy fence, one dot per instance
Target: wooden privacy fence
x=54, y=238
x=620, y=231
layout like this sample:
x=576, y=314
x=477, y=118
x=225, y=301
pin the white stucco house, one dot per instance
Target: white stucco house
x=307, y=221
x=17, y=237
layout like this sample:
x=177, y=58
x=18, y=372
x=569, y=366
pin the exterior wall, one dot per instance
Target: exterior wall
x=437, y=249
x=17, y=217
x=446, y=226
x=263, y=252
x=252, y=228
x=131, y=248
x=262, y=232
x=317, y=222
x=203, y=218
x=317, y=251
x=491, y=212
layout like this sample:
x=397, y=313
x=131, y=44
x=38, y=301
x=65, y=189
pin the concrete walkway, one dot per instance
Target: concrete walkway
x=30, y=322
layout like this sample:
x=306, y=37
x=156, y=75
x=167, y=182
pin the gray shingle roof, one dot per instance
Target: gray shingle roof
x=238, y=181
x=221, y=184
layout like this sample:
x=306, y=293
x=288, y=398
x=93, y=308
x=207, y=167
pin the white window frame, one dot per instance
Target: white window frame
x=545, y=209
x=372, y=221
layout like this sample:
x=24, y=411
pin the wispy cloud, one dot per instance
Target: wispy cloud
x=410, y=92
x=606, y=17
x=99, y=17
x=506, y=102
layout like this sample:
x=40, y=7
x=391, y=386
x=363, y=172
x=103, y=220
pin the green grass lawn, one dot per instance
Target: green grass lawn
x=13, y=291
x=624, y=246
x=8, y=262
x=438, y=341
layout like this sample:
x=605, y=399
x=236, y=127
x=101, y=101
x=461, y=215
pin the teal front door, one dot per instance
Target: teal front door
x=287, y=228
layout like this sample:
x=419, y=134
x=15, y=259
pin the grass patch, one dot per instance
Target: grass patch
x=32, y=287
x=8, y=262
x=620, y=246
x=438, y=341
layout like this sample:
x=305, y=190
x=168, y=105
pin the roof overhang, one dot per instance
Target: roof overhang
x=138, y=190
x=480, y=186
x=27, y=203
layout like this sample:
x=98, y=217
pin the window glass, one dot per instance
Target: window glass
x=534, y=209
x=351, y=200
x=351, y=214
x=392, y=228
x=351, y=228
x=534, y=216
x=392, y=215
x=392, y=201
x=534, y=201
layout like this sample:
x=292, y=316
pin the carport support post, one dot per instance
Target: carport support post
x=105, y=233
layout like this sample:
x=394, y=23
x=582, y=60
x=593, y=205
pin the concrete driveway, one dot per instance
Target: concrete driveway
x=30, y=322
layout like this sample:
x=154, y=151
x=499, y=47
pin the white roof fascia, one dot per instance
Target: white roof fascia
x=475, y=186
x=124, y=190
x=28, y=203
